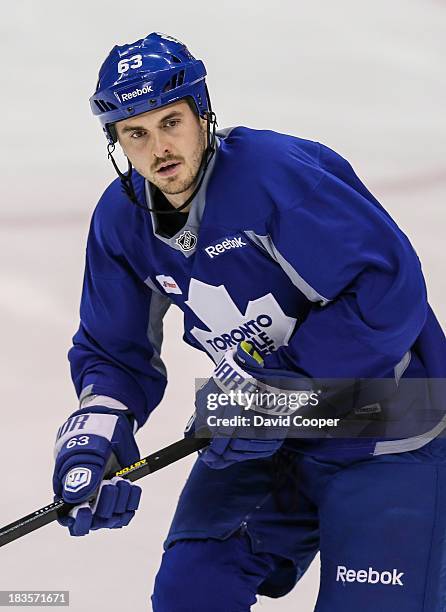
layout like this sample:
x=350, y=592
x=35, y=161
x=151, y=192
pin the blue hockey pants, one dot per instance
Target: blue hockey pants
x=378, y=522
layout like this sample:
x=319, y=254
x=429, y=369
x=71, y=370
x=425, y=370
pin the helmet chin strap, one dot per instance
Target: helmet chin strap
x=126, y=177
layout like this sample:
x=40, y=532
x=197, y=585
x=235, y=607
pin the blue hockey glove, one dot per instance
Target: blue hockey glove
x=90, y=445
x=228, y=445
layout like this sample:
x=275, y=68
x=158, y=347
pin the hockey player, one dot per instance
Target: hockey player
x=282, y=262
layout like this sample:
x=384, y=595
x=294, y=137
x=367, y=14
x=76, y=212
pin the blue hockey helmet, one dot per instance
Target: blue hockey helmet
x=147, y=74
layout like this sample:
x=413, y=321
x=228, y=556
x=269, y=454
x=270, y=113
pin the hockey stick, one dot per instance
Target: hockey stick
x=141, y=468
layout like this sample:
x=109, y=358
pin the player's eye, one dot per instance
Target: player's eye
x=171, y=123
x=137, y=134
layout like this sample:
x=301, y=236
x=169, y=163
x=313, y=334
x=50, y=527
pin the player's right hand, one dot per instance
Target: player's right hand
x=89, y=446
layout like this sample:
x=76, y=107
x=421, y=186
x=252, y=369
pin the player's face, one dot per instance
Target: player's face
x=166, y=146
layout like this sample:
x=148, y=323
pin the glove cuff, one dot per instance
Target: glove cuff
x=112, y=428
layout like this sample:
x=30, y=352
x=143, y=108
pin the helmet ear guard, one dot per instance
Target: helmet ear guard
x=111, y=133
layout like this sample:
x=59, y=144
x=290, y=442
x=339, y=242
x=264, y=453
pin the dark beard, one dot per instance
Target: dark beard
x=189, y=181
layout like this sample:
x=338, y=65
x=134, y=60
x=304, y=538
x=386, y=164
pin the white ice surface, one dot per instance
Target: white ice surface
x=365, y=78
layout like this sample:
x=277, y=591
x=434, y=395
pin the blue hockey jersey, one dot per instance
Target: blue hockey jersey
x=284, y=246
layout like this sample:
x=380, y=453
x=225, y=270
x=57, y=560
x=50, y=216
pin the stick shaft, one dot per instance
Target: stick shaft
x=147, y=465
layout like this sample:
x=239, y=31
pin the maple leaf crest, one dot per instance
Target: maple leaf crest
x=264, y=322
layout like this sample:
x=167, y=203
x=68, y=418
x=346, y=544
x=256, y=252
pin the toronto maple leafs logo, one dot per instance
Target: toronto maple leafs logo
x=264, y=323
x=186, y=240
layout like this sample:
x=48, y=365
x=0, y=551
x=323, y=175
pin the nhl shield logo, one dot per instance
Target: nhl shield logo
x=186, y=241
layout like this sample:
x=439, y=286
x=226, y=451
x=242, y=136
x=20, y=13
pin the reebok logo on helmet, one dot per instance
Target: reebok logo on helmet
x=136, y=93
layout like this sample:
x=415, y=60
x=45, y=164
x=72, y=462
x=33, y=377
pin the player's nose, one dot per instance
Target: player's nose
x=160, y=146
